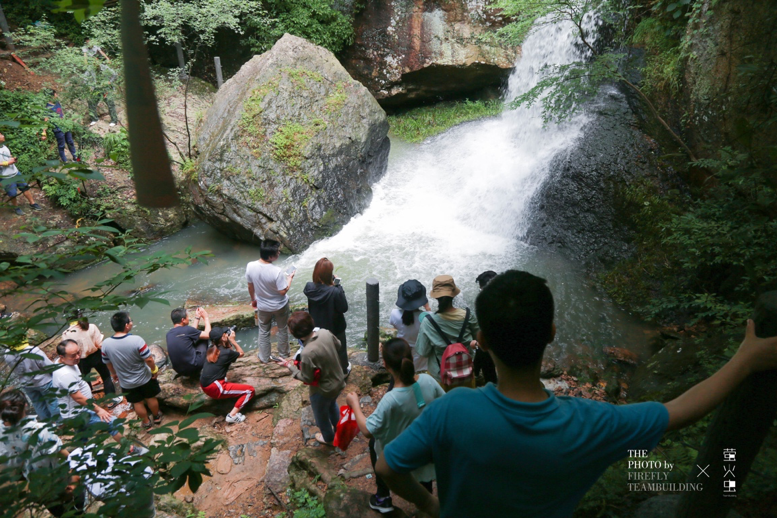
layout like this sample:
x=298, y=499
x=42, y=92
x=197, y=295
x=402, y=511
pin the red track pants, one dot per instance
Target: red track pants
x=223, y=390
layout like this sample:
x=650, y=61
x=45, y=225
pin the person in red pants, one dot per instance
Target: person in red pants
x=222, y=353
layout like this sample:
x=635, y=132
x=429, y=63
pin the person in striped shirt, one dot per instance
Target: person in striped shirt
x=132, y=367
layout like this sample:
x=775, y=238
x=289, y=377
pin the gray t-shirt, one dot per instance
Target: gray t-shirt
x=128, y=355
x=22, y=367
x=267, y=279
x=68, y=378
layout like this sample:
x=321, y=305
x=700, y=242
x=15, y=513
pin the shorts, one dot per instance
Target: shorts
x=148, y=390
x=11, y=188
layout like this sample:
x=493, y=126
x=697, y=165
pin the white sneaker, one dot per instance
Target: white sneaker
x=237, y=418
x=112, y=124
x=118, y=399
x=93, y=123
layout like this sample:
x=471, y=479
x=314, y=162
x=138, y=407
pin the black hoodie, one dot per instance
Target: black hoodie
x=326, y=304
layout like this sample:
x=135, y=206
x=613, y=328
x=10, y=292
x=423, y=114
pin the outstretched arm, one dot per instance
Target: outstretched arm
x=754, y=354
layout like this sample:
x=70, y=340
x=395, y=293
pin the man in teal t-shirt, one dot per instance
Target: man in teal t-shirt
x=515, y=449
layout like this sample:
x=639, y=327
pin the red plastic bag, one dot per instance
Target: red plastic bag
x=347, y=428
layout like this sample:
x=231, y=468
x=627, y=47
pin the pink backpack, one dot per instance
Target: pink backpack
x=456, y=364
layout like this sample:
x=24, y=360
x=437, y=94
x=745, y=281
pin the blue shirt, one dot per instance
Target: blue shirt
x=495, y=456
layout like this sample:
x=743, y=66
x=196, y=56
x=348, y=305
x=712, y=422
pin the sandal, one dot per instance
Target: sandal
x=320, y=438
x=158, y=418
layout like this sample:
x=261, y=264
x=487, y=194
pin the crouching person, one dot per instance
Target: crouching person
x=222, y=353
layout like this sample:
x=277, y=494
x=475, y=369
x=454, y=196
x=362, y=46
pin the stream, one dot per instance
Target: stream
x=456, y=204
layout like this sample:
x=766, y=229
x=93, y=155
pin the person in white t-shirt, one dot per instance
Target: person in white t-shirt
x=18, y=186
x=75, y=394
x=267, y=287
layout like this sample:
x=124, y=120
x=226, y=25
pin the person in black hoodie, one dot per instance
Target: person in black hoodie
x=327, y=305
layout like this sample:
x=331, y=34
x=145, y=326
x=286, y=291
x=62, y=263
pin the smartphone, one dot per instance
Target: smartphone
x=337, y=281
x=291, y=269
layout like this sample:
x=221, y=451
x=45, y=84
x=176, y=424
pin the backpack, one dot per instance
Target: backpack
x=456, y=365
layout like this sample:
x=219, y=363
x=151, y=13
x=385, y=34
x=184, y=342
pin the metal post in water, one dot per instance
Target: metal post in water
x=219, y=77
x=736, y=432
x=373, y=319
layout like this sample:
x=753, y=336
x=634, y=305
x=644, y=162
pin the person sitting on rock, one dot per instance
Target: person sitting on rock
x=213, y=379
x=186, y=345
x=318, y=367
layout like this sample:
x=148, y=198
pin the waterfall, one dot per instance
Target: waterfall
x=457, y=203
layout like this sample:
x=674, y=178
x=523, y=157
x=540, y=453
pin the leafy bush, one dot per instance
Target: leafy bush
x=24, y=140
x=421, y=123
x=306, y=505
x=70, y=195
x=704, y=255
x=117, y=147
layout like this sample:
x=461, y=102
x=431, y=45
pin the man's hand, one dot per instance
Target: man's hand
x=115, y=378
x=103, y=414
x=758, y=354
x=154, y=375
x=253, y=304
x=12, y=160
x=352, y=400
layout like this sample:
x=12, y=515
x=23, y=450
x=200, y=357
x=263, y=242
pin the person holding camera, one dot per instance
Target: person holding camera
x=327, y=305
x=222, y=353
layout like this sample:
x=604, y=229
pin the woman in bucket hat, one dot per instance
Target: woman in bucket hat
x=450, y=320
x=411, y=303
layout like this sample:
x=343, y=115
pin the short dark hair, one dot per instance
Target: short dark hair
x=62, y=346
x=300, y=324
x=269, y=249
x=177, y=315
x=119, y=321
x=485, y=277
x=515, y=314
x=13, y=403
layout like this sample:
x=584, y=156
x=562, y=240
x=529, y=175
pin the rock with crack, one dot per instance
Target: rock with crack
x=289, y=148
x=271, y=382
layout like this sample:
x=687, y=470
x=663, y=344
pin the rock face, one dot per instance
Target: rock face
x=411, y=51
x=289, y=148
x=579, y=209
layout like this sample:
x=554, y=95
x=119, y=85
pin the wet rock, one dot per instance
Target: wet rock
x=413, y=52
x=622, y=355
x=270, y=381
x=150, y=224
x=549, y=369
x=366, y=400
x=307, y=423
x=277, y=474
x=289, y=148
x=160, y=355
x=579, y=210
x=242, y=316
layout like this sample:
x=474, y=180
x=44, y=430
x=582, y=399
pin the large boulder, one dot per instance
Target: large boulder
x=289, y=148
x=409, y=52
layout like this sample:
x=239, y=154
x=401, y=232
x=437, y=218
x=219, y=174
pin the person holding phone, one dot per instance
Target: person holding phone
x=222, y=353
x=327, y=305
x=268, y=286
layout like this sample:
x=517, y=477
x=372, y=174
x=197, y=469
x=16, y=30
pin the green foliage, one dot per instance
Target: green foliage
x=24, y=141
x=28, y=12
x=522, y=16
x=315, y=20
x=421, y=123
x=662, y=71
x=69, y=194
x=117, y=147
x=703, y=255
x=257, y=194
x=306, y=505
